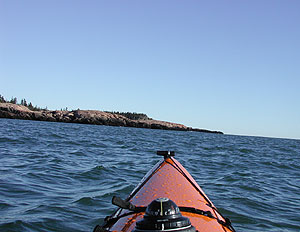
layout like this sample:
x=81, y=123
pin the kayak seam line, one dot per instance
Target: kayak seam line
x=182, y=172
x=143, y=183
x=216, y=212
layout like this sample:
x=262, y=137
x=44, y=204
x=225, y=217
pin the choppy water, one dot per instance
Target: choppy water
x=61, y=177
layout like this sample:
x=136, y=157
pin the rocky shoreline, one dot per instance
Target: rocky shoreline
x=14, y=111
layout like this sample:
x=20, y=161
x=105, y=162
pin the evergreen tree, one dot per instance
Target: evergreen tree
x=30, y=106
x=2, y=100
x=23, y=102
x=14, y=100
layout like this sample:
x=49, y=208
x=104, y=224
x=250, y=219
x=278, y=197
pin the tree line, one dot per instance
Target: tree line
x=133, y=116
x=23, y=102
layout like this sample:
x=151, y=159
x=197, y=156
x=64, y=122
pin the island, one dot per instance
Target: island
x=19, y=111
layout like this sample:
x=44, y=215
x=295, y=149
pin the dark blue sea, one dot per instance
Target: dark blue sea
x=61, y=177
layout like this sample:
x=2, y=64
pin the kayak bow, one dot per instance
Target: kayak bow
x=166, y=199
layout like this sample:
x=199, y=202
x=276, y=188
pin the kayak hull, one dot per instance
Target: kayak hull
x=171, y=180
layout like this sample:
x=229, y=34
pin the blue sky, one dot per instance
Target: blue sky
x=232, y=66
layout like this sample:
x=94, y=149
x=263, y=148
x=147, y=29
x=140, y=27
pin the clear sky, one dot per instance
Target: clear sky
x=223, y=65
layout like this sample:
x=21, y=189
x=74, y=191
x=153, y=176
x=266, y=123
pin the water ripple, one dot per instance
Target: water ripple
x=61, y=177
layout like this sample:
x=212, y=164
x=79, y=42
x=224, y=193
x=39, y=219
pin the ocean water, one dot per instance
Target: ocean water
x=61, y=177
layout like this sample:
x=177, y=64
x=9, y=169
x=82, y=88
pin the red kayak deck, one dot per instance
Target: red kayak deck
x=171, y=180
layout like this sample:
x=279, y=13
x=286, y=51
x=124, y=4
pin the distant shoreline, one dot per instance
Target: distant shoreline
x=96, y=117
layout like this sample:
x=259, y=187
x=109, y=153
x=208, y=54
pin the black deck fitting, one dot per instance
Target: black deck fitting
x=166, y=154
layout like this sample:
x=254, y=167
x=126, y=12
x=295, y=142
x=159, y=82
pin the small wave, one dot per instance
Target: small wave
x=7, y=140
x=56, y=136
x=4, y=206
x=78, y=153
x=245, y=150
x=108, y=190
x=97, y=168
x=18, y=191
x=15, y=226
x=249, y=188
x=93, y=174
x=85, y=201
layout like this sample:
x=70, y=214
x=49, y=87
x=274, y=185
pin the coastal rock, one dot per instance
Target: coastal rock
x=9, y=110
